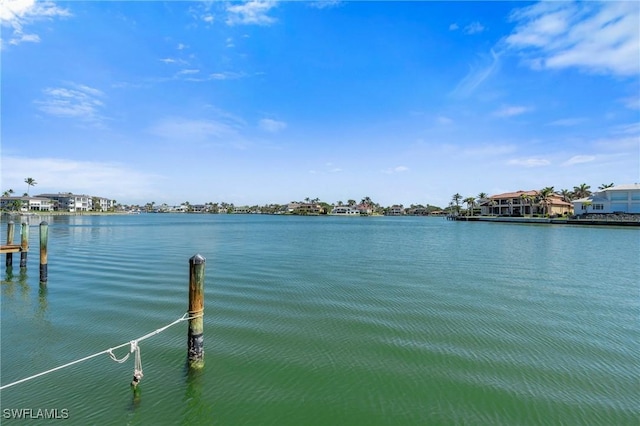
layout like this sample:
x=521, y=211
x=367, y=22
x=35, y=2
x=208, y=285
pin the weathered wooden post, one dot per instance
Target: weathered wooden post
x=9, y=257
x=44, y=234
x=24, y=245
x=196, y=312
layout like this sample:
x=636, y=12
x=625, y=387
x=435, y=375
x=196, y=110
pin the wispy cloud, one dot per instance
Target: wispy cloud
x=253, y=12
x=510, y=111
x=272, y=126
x=599, y=37
x=474, y=28
x=19, y=14
x=398, y=169
x=226, y=75
x=579, y=159
x=568, y=122
x=188, y=72
x=84, y=177
x=75, y=101
x=444, y=120
x=453, y=27
x=529, y=162
x=194, y=130
x=488, y=66
x=632, y=102
x=627, y=129
x=325, y=4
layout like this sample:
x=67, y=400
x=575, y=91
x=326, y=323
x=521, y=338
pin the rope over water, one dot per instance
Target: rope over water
x=133, y=345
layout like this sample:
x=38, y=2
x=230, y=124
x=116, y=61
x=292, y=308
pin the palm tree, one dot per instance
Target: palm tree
x=471, y=202
x=524, y=198
x=492, y=204
x=30, y=182
x=456, y=199
x=544, y=197
x=566, y=195
x=605, y=186
x=586, y=205
x=582, y=190
x=7, y=193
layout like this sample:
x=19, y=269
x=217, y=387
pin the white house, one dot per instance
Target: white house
x=27, y=203
x=617, y=199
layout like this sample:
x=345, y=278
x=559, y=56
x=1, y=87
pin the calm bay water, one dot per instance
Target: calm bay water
x=329, y=321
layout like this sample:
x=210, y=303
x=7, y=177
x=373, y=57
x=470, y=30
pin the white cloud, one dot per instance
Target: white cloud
x=325, y=4
x=477, y=75
x=579, y=159
x=225, y=75
x=18, y=14
x=568, y=122
x=632, y=102
x=194, y=130
x=627, y=129
x=453, y=27
x=444, y=120
x=253, y=12
x=75, y=101
x=272, y=126
x=510, y=111
x=188, y=72
x=85, y=177
x=398, y=169
x=529, y=162
x=474, y=28
x=599, y=37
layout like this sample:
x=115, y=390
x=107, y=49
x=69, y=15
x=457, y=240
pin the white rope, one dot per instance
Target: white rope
x=109, y=351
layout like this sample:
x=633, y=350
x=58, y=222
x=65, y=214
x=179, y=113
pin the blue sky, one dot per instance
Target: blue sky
x=269, y=102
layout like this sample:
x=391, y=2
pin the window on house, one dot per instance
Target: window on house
x=598, y=207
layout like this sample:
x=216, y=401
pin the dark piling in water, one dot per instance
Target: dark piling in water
x=196, y=312
x=9, y=256
x=44, y=236
x=24, y=245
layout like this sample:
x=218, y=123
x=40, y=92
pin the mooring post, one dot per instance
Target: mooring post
x=24, y=245
x=9, y=256
x=44, y=234
x=196, y=312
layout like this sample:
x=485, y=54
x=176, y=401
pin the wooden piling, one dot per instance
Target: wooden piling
x=196, y=312
x=24, y=245
x=9, y=256
x=44, y=236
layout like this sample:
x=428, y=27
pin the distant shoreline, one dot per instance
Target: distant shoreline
x=550, y=221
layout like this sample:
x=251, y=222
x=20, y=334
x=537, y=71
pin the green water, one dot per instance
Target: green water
x=328, y=321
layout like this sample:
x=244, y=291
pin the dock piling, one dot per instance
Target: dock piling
x=9, y=256
x=196, y=312
x=44, y=234
x=24, y=245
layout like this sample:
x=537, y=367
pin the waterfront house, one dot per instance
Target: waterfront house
x=345, y=211
x=27, y=204
x=395, y=210
x=67, y=201
x=524, y=203
x=308, y=209
x=364, y=209
x=617, y=199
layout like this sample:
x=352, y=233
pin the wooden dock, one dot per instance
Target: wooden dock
x=12, y=248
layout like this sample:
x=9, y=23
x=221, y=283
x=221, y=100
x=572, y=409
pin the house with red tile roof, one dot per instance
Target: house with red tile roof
x=525, y=203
